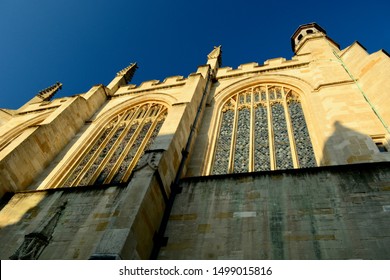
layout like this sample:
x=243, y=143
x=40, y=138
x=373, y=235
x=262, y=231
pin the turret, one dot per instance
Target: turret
x=307, y=33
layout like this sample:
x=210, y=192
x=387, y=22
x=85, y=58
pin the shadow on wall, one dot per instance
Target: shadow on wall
x=56, y=224
x=347, y=146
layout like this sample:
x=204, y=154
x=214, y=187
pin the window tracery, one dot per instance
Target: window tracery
x=118, y=147
x=262, y=128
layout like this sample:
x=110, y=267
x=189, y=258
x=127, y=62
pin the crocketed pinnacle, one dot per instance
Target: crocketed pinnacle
x=216, y=53
x=128, y=72
x=47, y=93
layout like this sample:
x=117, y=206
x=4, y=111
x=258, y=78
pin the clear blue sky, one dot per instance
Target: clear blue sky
x=85, y=42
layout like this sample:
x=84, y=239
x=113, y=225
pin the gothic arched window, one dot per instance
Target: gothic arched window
x=262, y=128
x=118, y=147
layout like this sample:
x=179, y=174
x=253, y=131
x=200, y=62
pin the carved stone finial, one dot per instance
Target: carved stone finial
x=47, y=93
x=216, y=53
x=35, y=242
x=128, y=72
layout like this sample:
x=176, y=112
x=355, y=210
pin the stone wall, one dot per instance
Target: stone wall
x=26, y=157
x=338, y=212
x=78, y=230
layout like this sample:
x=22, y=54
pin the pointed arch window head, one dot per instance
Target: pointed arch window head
x=262, y=128
x=118, y=146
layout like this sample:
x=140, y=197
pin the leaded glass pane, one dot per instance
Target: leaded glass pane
x=278, y=93
x=114, y=143
x=133, y=151
x=301, y=135
x=257, y=96
x=271, y=92
x=261, y=150
x=154, y=133
x=130, y=156
x=115, y=157
x=248, y=98
x=91, y=171
x=87, y=157
x=221, y=161
x=269, y=103
x=263, y=95
x=241, y=154
x=142, y=112
x=130, y=114
x=241, y=98
x=281, y=142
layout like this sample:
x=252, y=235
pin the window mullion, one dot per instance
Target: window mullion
x=234, y=134
x=98, y=151
x=61, y=179
x=141, y=148
x=214, y=144
x=251, y=136
x=270, y=132
x=290, y=131
x=112, y=151
x=125, y=151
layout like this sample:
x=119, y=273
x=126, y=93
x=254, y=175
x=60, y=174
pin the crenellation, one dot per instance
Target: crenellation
x=254, y=68
x=248, y=66
x=224, y=70
x=274, y=61
x=152, y=85
x=131, y=86
x=172, y=80
x=148, y=84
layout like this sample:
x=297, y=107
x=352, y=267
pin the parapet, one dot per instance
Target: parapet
x=152, y=85
x=268, y=65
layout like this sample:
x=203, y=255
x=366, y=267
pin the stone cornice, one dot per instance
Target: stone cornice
x=333, y=84
x=39, y=110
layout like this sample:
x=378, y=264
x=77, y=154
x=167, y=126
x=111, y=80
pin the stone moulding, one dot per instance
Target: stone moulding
x=150, y=158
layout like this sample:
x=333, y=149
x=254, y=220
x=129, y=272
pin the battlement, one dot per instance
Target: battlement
x=269, y=65
x=152, y=85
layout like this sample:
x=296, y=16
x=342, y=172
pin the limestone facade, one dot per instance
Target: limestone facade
x=109, y=163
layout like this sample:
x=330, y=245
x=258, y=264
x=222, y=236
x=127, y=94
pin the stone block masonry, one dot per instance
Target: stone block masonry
x=334, y=212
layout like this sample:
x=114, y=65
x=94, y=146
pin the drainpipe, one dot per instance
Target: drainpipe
x=159, y=239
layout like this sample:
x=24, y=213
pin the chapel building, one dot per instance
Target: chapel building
x=288, y=159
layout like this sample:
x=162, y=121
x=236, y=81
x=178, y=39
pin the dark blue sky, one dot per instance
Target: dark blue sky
x=85, y=42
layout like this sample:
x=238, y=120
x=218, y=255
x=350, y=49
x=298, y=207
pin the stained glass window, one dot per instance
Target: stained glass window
x=241, y=151
x=119, y=145
x=262, y=128
x=225, y=135
x=303, y=144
